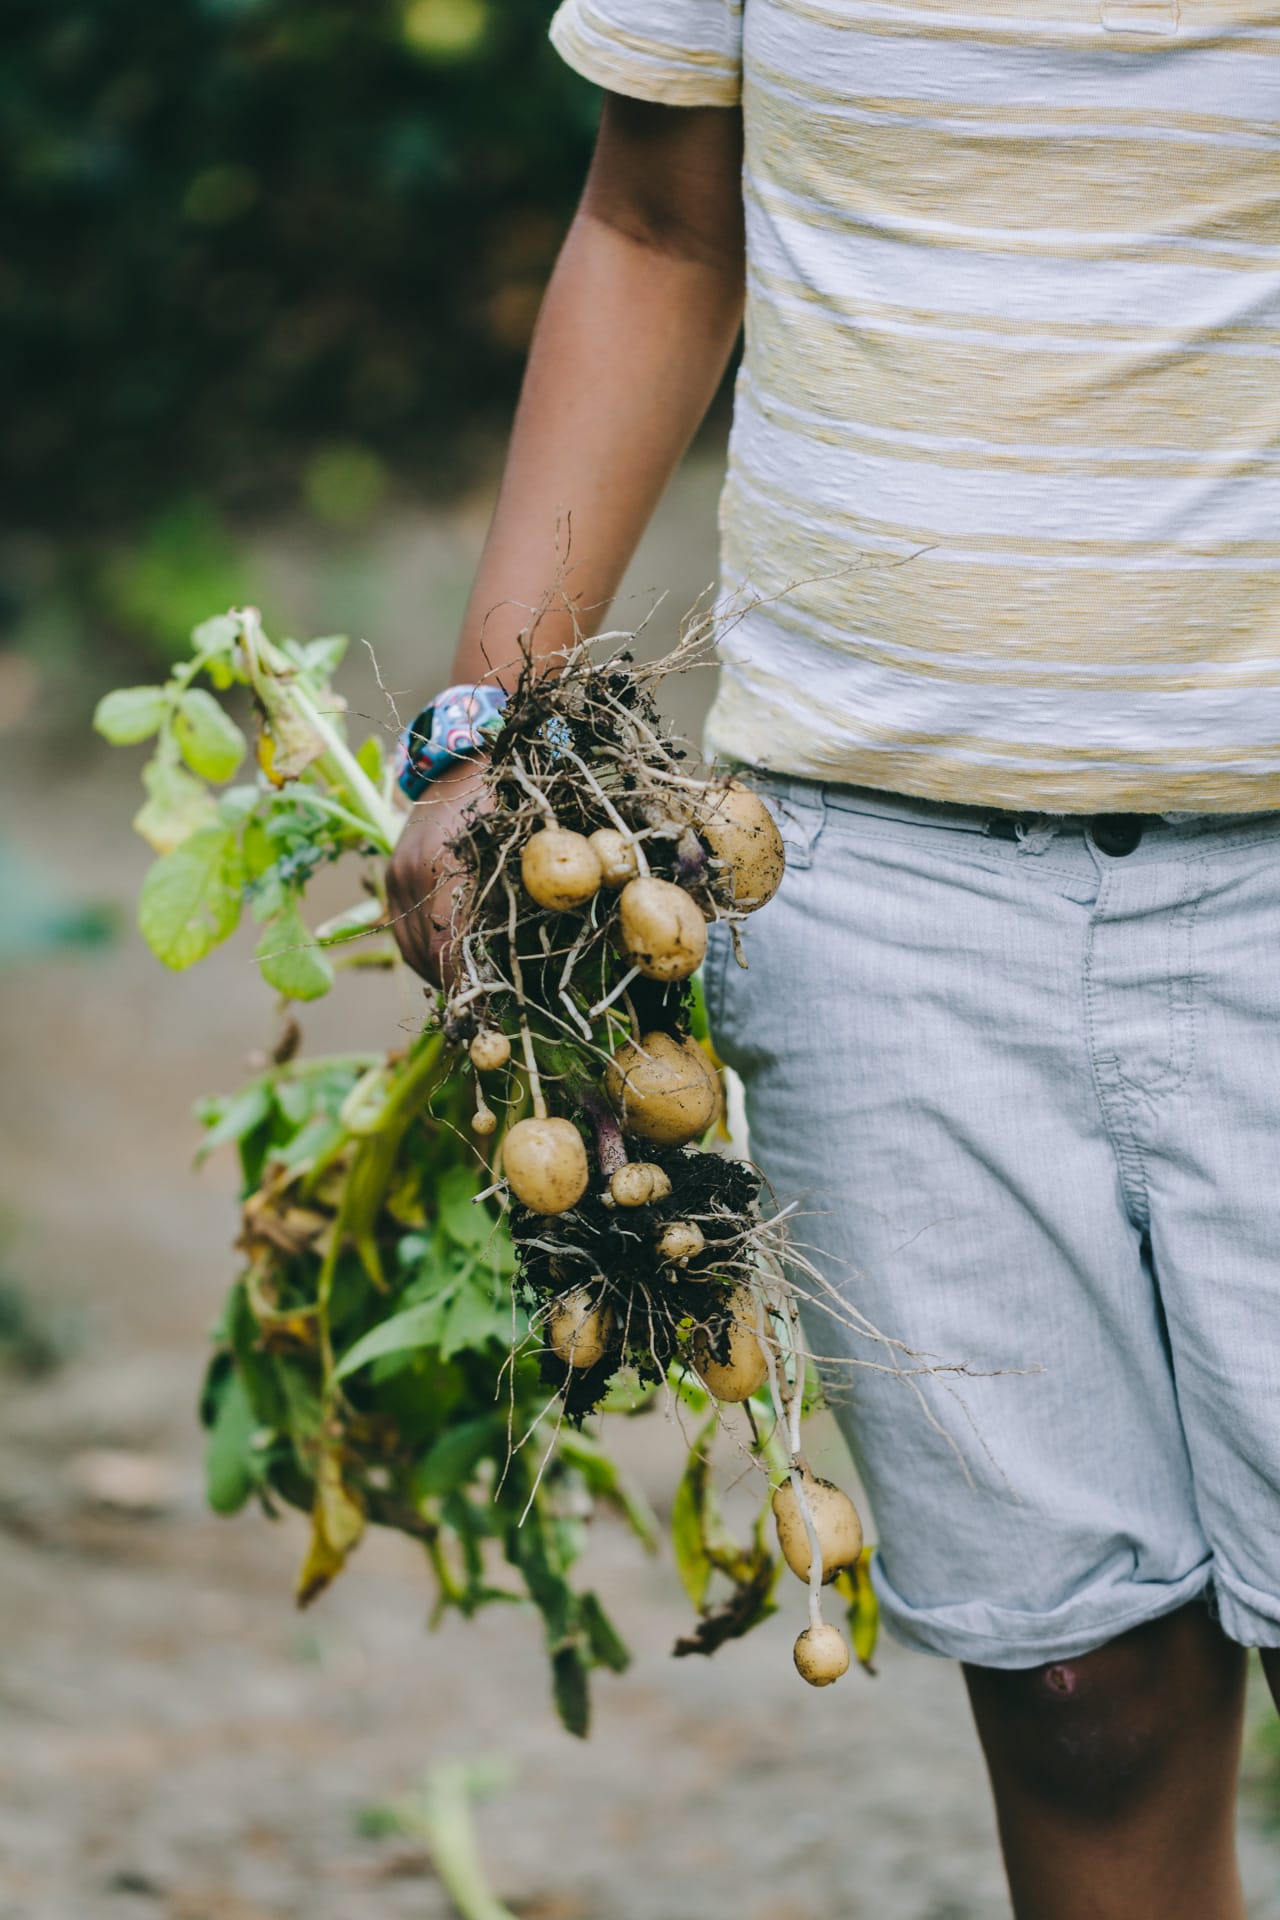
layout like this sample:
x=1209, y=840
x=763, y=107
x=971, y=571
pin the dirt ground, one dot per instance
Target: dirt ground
x=178, y=1743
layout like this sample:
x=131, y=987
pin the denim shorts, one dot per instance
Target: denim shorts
x=1025, y=1095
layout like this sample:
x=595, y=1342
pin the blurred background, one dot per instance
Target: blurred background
x=269, y=274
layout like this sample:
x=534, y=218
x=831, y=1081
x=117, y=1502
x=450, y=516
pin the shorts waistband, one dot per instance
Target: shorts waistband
x=1116, y=833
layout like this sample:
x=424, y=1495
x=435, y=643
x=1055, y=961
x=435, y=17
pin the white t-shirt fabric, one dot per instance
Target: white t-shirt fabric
x=1002, y=516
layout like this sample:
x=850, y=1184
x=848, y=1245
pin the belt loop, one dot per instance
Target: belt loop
x=801, y=807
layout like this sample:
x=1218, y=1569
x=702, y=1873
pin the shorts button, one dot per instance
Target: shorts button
x=1116, y=833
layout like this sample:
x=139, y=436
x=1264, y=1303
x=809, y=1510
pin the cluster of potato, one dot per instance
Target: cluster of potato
x=664, y=1089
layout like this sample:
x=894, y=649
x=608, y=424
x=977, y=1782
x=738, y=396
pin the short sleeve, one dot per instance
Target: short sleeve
x=681, y=53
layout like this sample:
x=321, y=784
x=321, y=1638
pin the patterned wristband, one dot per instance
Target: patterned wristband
x=458, y=722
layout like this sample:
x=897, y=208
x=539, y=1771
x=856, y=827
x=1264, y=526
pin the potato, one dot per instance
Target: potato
x=746, y=1369
x=661, y=929
x=680, y=1240
x=835, y=1520
x=546, y=1164
x=616, y=853
x=484, y=1121
x=638, y=1184
x=489, y=1050
x=821, y=1655
x=665, y=1090
x=559, y=869
x=743, y=836
x=579, y=1329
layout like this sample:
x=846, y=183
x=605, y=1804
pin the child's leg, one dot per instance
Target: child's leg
x=1114, y=1775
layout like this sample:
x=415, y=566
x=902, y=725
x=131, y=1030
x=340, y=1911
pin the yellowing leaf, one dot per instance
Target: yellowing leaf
x=337, y=1522
x=176, y=806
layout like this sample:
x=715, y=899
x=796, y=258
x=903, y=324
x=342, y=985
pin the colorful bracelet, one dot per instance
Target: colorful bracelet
x=459, y=722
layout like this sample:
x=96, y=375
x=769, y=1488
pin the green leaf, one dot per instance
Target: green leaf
x=216, y=636
x=131, y=714
x=371, y=760
x=176, y=805
x=210, y=741
x=228, y=1459
x=291, y=959
x=688, y=1518
x=191, y=898
x=233, y=1118
x=453, y=1459
x=466, y=1224
x=319, y=659
x=572, y=1690
x=417, y=1326
x=606, y=1480
x=477, y=1314
x=606, y=1643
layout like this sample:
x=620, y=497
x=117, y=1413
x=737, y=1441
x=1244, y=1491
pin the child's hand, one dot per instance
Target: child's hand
x=424, y=878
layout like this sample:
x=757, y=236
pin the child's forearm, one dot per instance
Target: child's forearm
x=634, y=335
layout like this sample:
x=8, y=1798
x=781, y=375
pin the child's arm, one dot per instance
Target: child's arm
x=633, y=338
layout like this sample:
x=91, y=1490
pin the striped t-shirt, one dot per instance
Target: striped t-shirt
x=1002, y=516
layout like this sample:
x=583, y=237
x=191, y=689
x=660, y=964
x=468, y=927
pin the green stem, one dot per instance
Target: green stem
x=384, y=821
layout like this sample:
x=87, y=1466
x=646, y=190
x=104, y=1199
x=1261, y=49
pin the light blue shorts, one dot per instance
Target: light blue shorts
x=1027, y=1096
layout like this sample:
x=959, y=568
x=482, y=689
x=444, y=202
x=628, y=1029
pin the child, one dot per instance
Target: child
x=1002, y=527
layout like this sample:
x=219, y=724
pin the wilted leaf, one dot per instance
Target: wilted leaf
x=291, y=958
x=191, y=897
x=131, y=714
x=688, y=1513
x=855, y=1589
x=176, y=805
x=337, y=1522
x=210, y=741
x=288, y=742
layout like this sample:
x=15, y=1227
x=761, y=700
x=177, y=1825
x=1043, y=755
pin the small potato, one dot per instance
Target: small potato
x=665, y=1090
x=680, y=1241
x=489, y=1050
x=578, y=1329
x=616, y=853
x=821, y=1655
x=661, y=929
x=639, y=1184
x=746, y=1369
x=835, y=1520
x=484, y=1122
x=559, y=869
x=743, y=836
x=546, y=1164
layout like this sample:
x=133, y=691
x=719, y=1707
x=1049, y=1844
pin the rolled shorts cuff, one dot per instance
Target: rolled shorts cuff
x=987, y=1636
x=1250, y=1618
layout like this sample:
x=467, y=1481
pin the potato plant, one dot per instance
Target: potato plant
x=457, y=1253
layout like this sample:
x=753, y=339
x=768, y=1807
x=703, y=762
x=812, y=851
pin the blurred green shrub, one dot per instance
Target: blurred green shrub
x=266, y=249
